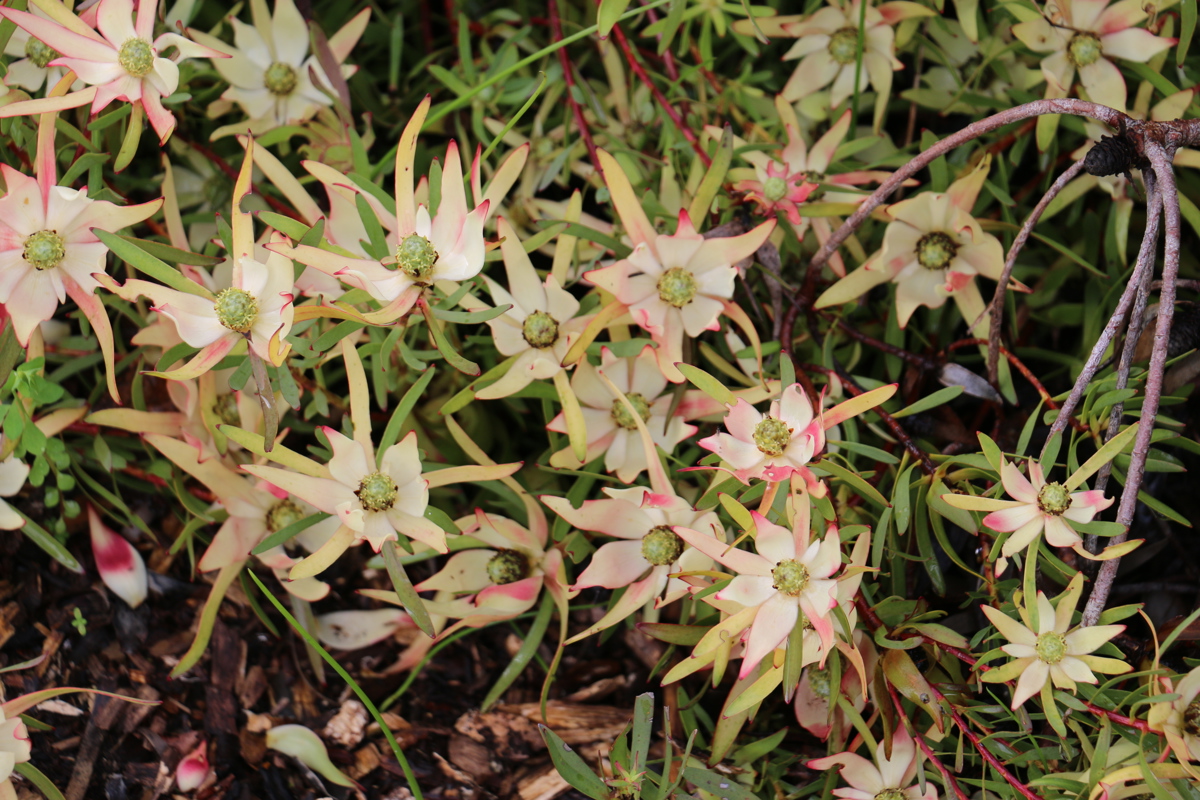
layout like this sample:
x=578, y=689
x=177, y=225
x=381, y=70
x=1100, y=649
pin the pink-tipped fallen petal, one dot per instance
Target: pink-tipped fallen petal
x=120, y=566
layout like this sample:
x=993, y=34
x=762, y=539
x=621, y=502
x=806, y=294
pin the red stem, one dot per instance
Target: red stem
x=640, y=71
x=920, y=739
x=569, y=78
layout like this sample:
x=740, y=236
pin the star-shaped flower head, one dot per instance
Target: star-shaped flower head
x=255, y=307
x=48, y=250
x=1036, y=506
x=647, y=551
x=790, y=575
x=1084, y=35
x=32, y=70
x=540, y=327
x=780, y=443
x=828, y=47
x=448, y=246
x=887, y=778
x=1179, y=719
x=932, y=250
x=119, y=61
x=269, y=68
x=1056, y=653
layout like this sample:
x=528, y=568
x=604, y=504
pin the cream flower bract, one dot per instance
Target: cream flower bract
x=887, y=778
x=1056, y=652
x=1179, y=719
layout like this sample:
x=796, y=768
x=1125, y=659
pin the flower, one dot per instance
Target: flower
x=15, y=747
x=32, y=70
x=829, y=50
x=1084, y=35
x=13, y=472
x=887, y=778
x=119, y=62
x=769, y=446
x=538, y=329
x=647, y=552
x=1036, y=506
x=255, y=307
x=1179, y=719
x=1054, y=653
x=932, y=250
x=446, y=247
x=672, y=284
x=270, y=71
x=48, y=250
x=611, y=431
x=374, y=504
x=503, y=579
x=790, y=575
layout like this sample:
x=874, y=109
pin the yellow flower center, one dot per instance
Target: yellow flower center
x=790, y=577
x=661, y=546
x=677, y=287
x=136, y=56
x=1084, y=49
x=775, y=188
x=936, y=250
x=377, y=492
x=1051, y=647
x=280, y=79
x=890, y=794
x=1191, y=718
x=507, y=566
x=1054, y=499
x=236, y=309
x=37, y=52
x=621, y=415
x=415, y=257
x=540, y=329
x=44, y=250
x=282, y=514
x=843, y=45
x=772, y=436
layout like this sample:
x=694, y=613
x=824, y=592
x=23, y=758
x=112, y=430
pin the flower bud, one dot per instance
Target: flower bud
x=120, y=566
x=193, y=770
x=302, y=744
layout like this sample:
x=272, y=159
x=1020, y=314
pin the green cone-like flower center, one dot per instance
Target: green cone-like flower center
x=1191, y=718
x=37, y=52
x=677, y=287
x=1084, y=49
x=137, y=57
x=44, y=249
x=507, y=566
x=843, y=45
x=890, y=794
x=540, y=329
x=1051, y=647
x=282, y=514
x=772, y=436
x=818, y=679
x=790, y=577
x=621, y=415
x=661, y=546
x=775, y=188
x=226, y=409
x=936, y=250
x=236, y=309
x=415, y=257
x=1054, y=499
x=377, y=492
x=280, y=79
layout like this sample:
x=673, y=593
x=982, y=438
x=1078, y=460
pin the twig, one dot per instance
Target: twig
x=1160, y=156
x=640, y=71
x=569, y=79
x=920, y=738
x=993, y=360
x=1019, y=365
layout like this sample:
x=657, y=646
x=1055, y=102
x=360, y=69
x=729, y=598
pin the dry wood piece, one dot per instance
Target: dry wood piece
x=576, y=723
x=506, y=734
x=348, y=725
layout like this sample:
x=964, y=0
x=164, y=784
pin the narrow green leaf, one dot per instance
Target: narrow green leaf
x=452, y=357
x=684, y=635
x=723, y=787
x=38, y=779
x=43, y=539
x=139, y=259
x=855, y=480
x=471, y=317
x=643, y=720
x=284, y=534
x=608, y=14
x=404, y=589
x=932, y=401
x=1102, y=456
x=573, y=768
x=708, y=384
x=714, y=178
x=533, y=639
x=391, y=434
